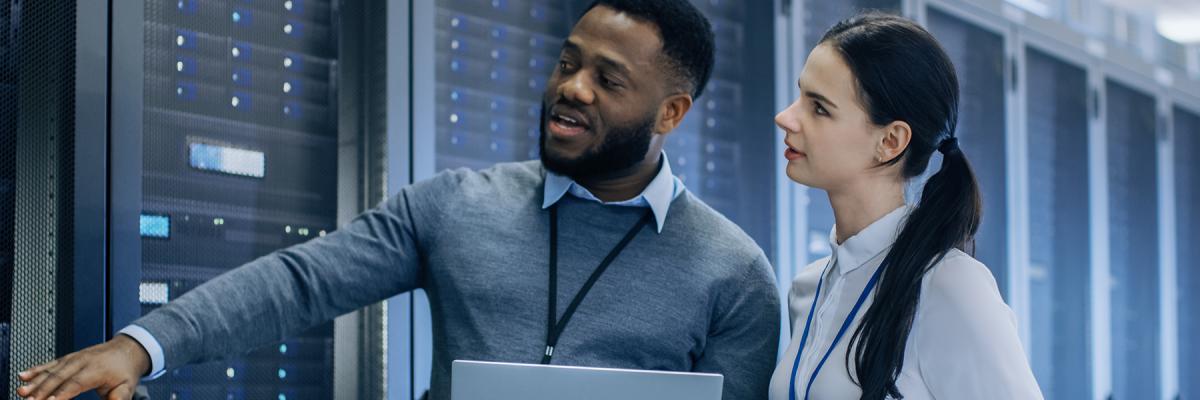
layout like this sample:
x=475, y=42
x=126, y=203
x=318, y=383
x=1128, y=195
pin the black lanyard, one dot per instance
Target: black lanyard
x=554, y=328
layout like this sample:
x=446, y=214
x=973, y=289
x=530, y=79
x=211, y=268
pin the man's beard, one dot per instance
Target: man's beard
x=623, y=147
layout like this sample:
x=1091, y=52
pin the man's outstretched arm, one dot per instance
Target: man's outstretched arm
x=285, y=292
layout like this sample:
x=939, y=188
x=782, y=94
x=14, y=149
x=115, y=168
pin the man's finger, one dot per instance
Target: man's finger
x=53, y=378
x=31, y=373
x=37, y=380
x=122, y=392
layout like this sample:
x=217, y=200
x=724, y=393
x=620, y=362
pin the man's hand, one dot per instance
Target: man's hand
x=112, y=368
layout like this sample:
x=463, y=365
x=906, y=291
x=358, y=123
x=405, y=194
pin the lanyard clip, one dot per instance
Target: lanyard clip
x=549, y=351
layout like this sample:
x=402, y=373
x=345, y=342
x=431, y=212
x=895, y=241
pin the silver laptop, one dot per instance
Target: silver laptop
x=477, y=380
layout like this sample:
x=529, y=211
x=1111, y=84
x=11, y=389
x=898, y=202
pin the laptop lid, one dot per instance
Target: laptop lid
x=478, y=380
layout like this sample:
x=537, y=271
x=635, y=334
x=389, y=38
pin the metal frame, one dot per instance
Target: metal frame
x=124, y=149
x=789, y=210
x=89, y=306
x=1167, y=290
x=423, y=166
x=400, y=138
x=360, y=342
x=1100, y=236
x=413, y=156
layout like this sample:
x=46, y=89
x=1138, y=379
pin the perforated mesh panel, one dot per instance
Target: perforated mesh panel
x=1059, y=226
x=1133, y=242
x=8, y=148
x=1187, y=192
x=43, y=67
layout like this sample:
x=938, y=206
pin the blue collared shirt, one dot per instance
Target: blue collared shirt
x=658, y=195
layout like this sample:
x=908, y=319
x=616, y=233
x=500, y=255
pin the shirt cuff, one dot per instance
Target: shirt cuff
x=153, y=348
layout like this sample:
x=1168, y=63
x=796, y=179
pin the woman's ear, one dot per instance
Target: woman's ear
x=895, y=139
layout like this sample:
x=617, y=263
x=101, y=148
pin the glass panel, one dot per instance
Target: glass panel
x=1059, y=264
x=1133, y=244
x=1187, y=223
x=819, y=16
x=240, y=138
x=978, y=56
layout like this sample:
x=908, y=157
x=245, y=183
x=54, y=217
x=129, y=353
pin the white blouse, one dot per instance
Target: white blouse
x=963, y=343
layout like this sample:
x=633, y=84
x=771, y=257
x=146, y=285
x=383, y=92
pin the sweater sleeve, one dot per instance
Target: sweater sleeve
x=376, y=256
x=744, y=338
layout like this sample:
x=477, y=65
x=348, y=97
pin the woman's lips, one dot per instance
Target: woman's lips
x=793, y=155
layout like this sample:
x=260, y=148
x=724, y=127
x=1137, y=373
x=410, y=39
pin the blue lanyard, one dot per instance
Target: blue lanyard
x=845, y=325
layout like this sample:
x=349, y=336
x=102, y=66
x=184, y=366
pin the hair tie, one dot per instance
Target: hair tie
x=949, y=145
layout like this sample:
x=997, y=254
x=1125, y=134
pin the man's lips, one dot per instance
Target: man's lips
x=565, y=122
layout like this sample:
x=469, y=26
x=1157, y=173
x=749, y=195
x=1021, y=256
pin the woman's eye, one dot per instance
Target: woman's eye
x=820, y=110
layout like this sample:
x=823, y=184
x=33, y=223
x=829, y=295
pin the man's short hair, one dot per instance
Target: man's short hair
x=687, y=37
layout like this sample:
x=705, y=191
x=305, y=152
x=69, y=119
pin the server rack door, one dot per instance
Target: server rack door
x=8, y=158
x=979, y=59
x=819, y=16
x=240, y=145
x=1187, y=193
x=490, y=64
x=1133, y=244
x=1057, y=124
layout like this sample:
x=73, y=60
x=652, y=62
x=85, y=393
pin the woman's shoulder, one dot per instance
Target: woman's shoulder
x=958, y=276
x=960, y=290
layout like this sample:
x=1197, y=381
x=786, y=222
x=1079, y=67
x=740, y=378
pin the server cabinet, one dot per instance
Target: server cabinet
x=1132, y=131
x=1060, y=262
x=979, y=58
x=243, y=102
x=1186, y=132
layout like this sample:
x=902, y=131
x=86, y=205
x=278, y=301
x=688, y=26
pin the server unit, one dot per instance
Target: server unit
x=240, y=153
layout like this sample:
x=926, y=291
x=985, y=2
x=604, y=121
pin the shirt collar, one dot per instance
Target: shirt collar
x=658, y=195
x=868, y=243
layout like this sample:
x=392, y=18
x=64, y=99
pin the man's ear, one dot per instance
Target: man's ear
x=671, y=112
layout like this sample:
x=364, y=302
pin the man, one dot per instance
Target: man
x=594, y=256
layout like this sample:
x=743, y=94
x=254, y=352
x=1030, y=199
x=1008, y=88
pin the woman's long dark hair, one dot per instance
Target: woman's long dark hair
x=903, y=74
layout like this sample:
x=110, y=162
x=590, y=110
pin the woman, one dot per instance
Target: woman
x=898, y=311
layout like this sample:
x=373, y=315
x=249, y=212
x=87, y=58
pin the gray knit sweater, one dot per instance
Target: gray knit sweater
x=699, y=296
